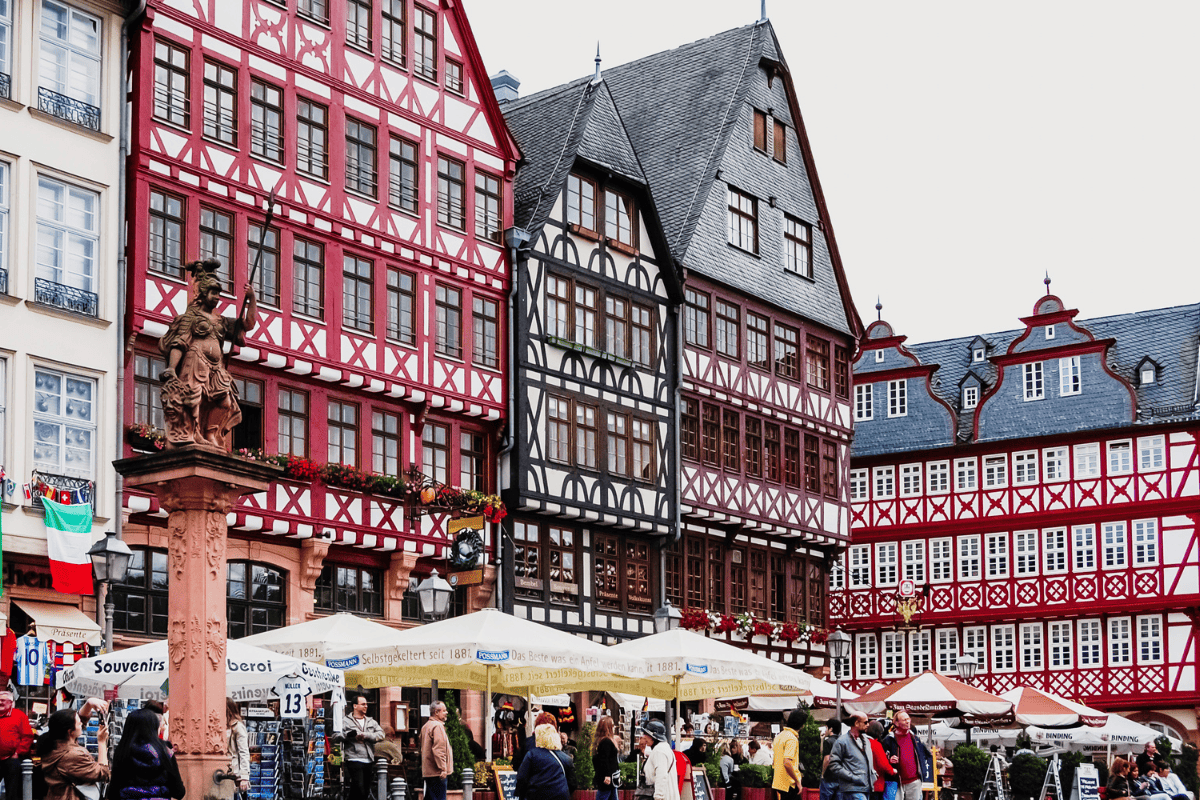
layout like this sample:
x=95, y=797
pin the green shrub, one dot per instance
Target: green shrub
x=460, y=746
x=585, y=771
x=1164, y=750
x=1187, y=768
x=1026, y=775
x=970, y=767
x=810, y=753
x=629, y=775
x=756, y=776
x=713, y=771
x=1066, y=771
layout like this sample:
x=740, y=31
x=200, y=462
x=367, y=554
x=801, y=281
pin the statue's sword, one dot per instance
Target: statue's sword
x=261, y=239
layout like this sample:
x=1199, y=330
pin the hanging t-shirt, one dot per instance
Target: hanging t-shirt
x=292, y=690
x=30, y=661
x=337, y=702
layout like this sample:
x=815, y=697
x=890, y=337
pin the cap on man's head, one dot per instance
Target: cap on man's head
x=655, y=730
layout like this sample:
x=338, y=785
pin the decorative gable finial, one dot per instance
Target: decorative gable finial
x=597, y=77
x=878, y=308
x=1047, y=281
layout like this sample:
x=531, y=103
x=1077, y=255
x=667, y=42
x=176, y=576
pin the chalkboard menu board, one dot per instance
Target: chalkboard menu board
x=700, y=788
x=506, y=783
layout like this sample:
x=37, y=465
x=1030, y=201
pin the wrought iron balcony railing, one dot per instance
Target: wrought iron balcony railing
x=68, y=108
x=80, y=490
x=68, y=298
x=3, y=281
x=5, y=86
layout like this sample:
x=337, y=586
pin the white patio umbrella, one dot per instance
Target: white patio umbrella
x=140, y=672
x=821, y=698
x=1035, y=707
x=1117, y=731
x=945, y=733
x=310, y=640
x=927, y=694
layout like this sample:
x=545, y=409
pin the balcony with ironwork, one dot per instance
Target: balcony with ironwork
x=3, y=281
x=69, y=109
x=5, y=86
x=67, y=298
x=78, y=490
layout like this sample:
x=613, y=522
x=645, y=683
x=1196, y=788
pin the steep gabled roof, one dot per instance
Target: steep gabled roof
x=470, y=51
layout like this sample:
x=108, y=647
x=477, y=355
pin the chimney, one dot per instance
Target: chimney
x=505, y=86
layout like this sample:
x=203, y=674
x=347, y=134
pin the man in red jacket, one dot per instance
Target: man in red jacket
x=16, y=743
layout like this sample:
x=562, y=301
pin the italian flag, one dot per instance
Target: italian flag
x=68, y=537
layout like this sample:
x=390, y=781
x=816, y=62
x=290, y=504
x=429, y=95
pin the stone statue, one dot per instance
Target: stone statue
x=199, y=400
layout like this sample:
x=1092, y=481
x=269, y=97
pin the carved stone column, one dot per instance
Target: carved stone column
x=398, y=573
x=312, y=561
x=197, y=486
x=480, y=595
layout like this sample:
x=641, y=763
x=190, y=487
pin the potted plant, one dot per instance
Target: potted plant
x=460, y=747
x=810, y=759
x=756, y=781
x=970, y=767
x=585, y=771
x=1026, y=775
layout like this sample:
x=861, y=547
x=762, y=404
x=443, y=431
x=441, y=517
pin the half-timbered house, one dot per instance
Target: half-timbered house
x=1031, y=497
x=369, y=134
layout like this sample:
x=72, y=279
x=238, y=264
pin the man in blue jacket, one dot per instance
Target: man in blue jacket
x=850, y=761
x=909, y=756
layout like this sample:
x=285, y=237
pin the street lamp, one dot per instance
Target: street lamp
x=667, y=618
x=434, y=593
x=110, y=561
x=838, y=647
x=968, y=665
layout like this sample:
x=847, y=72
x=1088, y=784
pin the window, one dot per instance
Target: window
x=970, y=397
x=401, y=300
x=166, y=234
x=859, y=484
x=893, y=654
x=743, y=221
x=220, y=103
x=1060, y=645
x=449, y=321
x=1148, y=375
x=1120, y=642
x=1120, y=458
x=64, y=424
x=254, y=599
x=312, y=138
x=393, y=33
x=695, y=318
x=812, y=463
x=343, y=433
x=880, y=355
x=452, y=190
x=910, y=480
x=425, y=43
x=248, y=433
x=975, y=643
x=965, y=478
x=941, y=560
x=527, y=569
x=435, y=452
x=1145, y=542
x=757, y=352
x=837, y=576
x=779, y=153
x=351, y=590
x=939, y=477
x=216, y=240
x=977, y=355
x=619, y=218
x=947, y=651
x=1151, y=454
x=5, y=180
x=797, y=246
x=914, y=562
x=968, y=558
x=898, y=398
x=1004, y=658
x=730, y=428
x=586, y=309
x=313, y=9
x=558, y=423
x=402, y=169
x=864, y=395
x=68, y=238
x=308, y=278
x=1090, y=642
x=1034, y=386
x=1150, y=646
x=616, y=321
x=172, y=95
x=586, y=436
x=357, y=294
x=760, y=130
x=454, y=76
x=141, y=599
x=1025, y=552
x=771, y=452
x=995, y=472
x=1025, y=468
x=471, y=454
x=841, y=371
x=564, y=585
x=147, y=402
x=618, y=444
x=919, y=645
x=885, y=564
x=266, y=121
x=1087, y=461
x=1114, y=545
x=885, y=487
x=70, y=61
x=1054, y=551
x=558, y=307
x=1049, y=332
x=689, y=429
x=866, y=648
x=263, y=250
x=997, y=555
x=710, y=435
x=1084, y=547
x=581, y=205
x=1054, y=464
x=642, y=335
x=643, y=450
x=829, y=469
x=293, y=423
x=859, y=557
x=6, y=39
x=358, y=23
x=487, y=206
x=727, y=329
x=385, y=443
x=1069, y=377
x=754, y=447
x=486, y=351
x=361, y=167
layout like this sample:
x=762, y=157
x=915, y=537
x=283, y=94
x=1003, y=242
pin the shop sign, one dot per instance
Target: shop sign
x=16, y=576
x=471, y=577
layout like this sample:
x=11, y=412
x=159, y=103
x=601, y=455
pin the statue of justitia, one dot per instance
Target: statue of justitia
x=199, y=400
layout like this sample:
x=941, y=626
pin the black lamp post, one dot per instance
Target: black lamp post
x=838, y=647
x=667, y=618
x=110, y=561
x=434, y=593
x=968, y=665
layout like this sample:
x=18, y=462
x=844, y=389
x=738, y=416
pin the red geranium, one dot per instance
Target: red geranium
x=728, y=624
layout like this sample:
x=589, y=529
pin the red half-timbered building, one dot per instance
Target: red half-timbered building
x=382, y=282
x=1032, y=498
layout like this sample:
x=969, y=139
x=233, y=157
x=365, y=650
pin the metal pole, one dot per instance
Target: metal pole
x=381, y=772
x=434, y=688
x=109, y=608
x=26, y=779
x=398, y=789
x=838, y=680
x=468, y=782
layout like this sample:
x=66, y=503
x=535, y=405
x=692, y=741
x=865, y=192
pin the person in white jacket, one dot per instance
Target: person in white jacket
x=660, y=769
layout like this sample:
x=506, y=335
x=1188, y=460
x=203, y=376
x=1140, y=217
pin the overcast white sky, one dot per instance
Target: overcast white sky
x=964, y=147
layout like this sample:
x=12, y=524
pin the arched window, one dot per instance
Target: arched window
x=255, y=599
x=140, y=601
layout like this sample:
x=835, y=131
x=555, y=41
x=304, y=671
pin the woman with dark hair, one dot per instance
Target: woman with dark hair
x=144, y=766
x=605, y=760
x=66, y=766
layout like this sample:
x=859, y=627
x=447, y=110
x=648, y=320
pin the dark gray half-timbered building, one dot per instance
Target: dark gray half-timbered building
x=593, y=480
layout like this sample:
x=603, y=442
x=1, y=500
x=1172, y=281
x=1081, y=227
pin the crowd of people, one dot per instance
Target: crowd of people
x=1147, y=777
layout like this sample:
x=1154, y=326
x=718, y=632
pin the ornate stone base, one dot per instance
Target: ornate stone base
x=197, y=486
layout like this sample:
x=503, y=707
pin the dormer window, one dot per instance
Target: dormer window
x=1049, y=332
x=1147, y=372
x=878, y=356
x=1147, y=376
x=977, y=355
x=970, y=397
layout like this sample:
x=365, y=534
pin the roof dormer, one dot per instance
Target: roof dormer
x=977, y=350
x=1147, y=372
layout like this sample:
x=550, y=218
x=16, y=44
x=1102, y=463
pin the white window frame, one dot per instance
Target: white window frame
x=966, y=475
x=879, y=356
x=1025, y=468
x=938, y=478
x=1114, y=545
x=1152, y=455
x=920, y=651
x=3, y=413
x=73, y=61
x=72, y=244
x=1120, y=642
x=892, y=655
x=1120, y=457
x=1145, y=542
x=864, y=402
x=860, y=484
x=1033, y=652
x=1090, y=639
x=1025, y=553
x=5, y=186
x=898, y=398
x=970, y=558
x=887, y=568
x=62, y=420
x=995, y=472
x=1056, y=467
x=910, y=480
x=977, y=355
x=913, y=567
x=1004, y=648
x=858, y=557
x=970, y=396
x=884, y=479
x=837, y=575
x=947, y=651
x=1055, y=551
x=1061, y=650
x=1070, y=377
x=1033, y=381
x=997, y=556
x=941, y=560
x=1148, y=375
x=866, y=652
x=6, y=38
x=1049, y=332
x=975, y=642
x=1150, y=639
x=1083, y=548
x=1087, y=461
